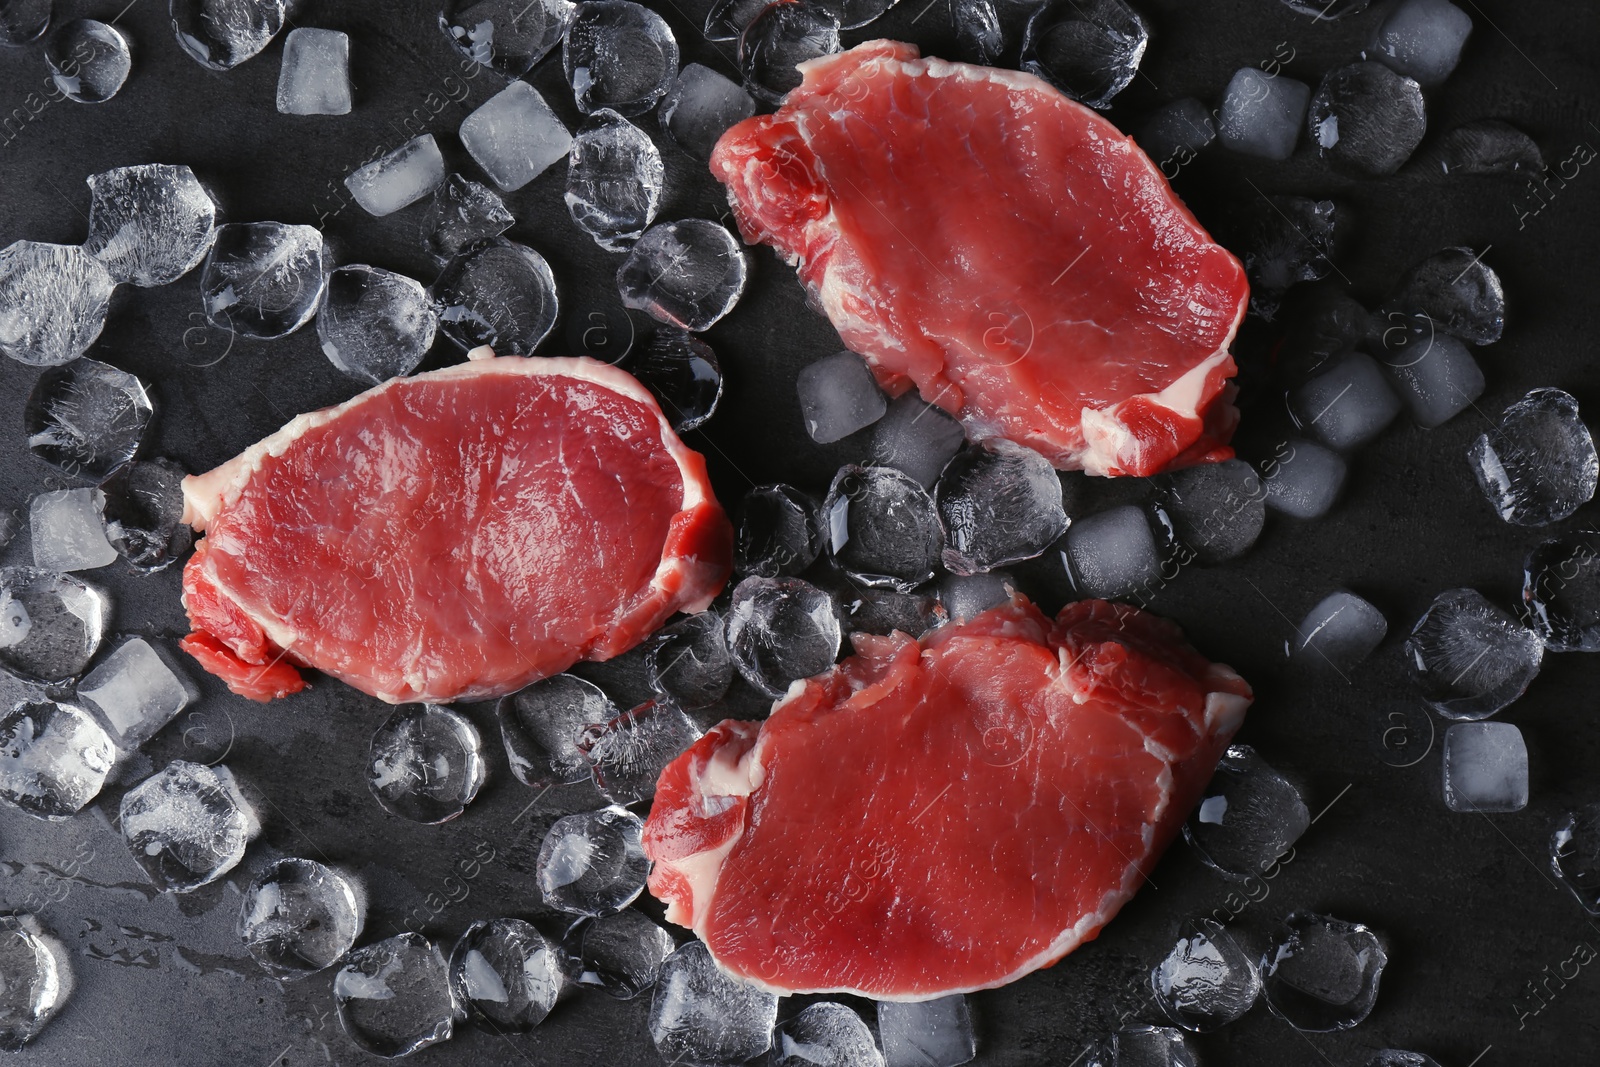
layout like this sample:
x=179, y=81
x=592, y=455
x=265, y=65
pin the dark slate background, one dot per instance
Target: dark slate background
x=1466, y=903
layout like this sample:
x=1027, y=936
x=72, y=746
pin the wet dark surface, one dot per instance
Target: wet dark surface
x=1466, y=903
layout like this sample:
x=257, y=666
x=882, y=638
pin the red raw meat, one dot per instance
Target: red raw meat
x=453, y=535
x=975, y=233
x=943, y=816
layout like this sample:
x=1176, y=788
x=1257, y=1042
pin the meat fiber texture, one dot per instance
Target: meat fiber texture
x=454, y=535
x=976, y=234
x=946, y=815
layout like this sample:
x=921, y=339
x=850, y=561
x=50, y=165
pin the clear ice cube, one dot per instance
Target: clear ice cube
x=1575, y=854
x=1422, y=39
x=262, y=279
x=1340, y=632
x=54, y=758
x=50, y=624
x=1538, y=465
x=864, y=610
x=882, y=528
x=35, y=979
x=144, y=513
x=1207, y=981
x=506, y=973
x=1471, y=658
x=1457, y=292
x=781, y=630
x=1261, y=115
x=299, y=916
x=916, y=437
x=221, y=34
x=703, y=1016
x=86, y=417
x=426, y=763
x=593, y=863
x=928, y=1033
x=779, y=38
x=1291, y=242
x=1000, y=503
x=777, y=531
x=514, y=136
x=460, y=214
x=838, y=396
x=136, y=692
x=1321, y=973
x=394, y=996
x=22, y=21
x=149, y=224
x=824, y=1034
x=542, y=728
x=683, y=374
x=53, y=302
x=1433, y=372
x=1487, y=146
x=1216, y=509
x=688, y=661
x=1144, y=1046
x=687, y=274
x=1176, y=132
x=727, y=19
x=68, y=530
x=1248, y=817
x=509, y=36
x=614, y=180
x=89, y=61
x=1323, y=321
x=187, y=825
x=1112, y=554
x=1347, y=405
x=315, y=76
x=399, y=178
x=1328, y=9
x=499, y=294
x=375, y=324
x=1561, y=592
x=628, y=754
x=619, y=55
x=1089, y=49
x=966, y=596
x=617, y=954
x=980, y=38
x=1367, y=119
x=1485, y=767
x=1305, y=481
x=701, y=105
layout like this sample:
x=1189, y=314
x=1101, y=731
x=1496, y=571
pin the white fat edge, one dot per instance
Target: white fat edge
x=1107, y=439
x=1225, y=713
x=720, y=776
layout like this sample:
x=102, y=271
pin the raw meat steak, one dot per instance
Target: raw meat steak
x=975, y=233
x=943, y=816
x=453, y=535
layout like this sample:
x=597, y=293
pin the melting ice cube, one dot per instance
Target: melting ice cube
x=149, y=224
x=543, y=726
x=86, y=417
x=374, y=324
x=1000, y=503
x=882, y=527
x=1340, y=632
x=778, y=39
x=262, y=279
x=929, y=1033
x=68, y=530
x=688, y=274
x=614, y=178
x=507, y=972
x=593, y=863
x=620, y=55
x=501, y=294
x=700, y=106
x=136, y=691
x=394, y=997
x=1217, y=509
x=1485, y=767
x=628, y=754
x=1347, y=405
x=1089, y=50
x=617, y=954
x=1367, y=119
x=89, y=61
x=1422, y=39
x=53, y=302
x=703, y=1016
x=53, y=758
x=426, y=763
x=917, y=438
x=462, y=213
x=1207, y=981
x=1261, y=115
x=507, y=35
x=223, y=35
x=50, y=624
x=35, y=979
x=683, y=374
x=398, y=178
x=1457, y=292
x=187, y=825
x=777, y=531
x=781, y=630
x=1112, y=554
x=1561, y=592
x=1249, y=816
x=144, y=513
x=688, y=661
x=1538, y=465
x=1471, y=658
x=299, y=916
x=1322, y=973
x=824, y=1034
x=1305, y=481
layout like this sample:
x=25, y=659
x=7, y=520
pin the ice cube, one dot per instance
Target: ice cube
x=628, y=754
x=221, y=35
x=508, y=35
x=781, y=630
x=426, y=763
x=1340, y=632
x=315, y=76
x=1112, y=554
x=1217, y=509
x=1471, y=658
x=824, y=1034
x=619, y=55
x=263, y=279
x=616, y=954
x=1305, y=481
x=1207, y=981
x=143, y=513
x=687, y=274
x=1261, y=115
x=187, y=825
x=1561, y=592
x=374, y=324
x=53, y=301
x=1397, y=1058
x=967, y=596
x=35, y=978
x=1323, y=321
x=1347, y=405
x=593, y=863
x=1322, y=973
x=777, y=531
x=461, y=214
x=917, y=438
x=883, y=611
x=614, y=177
x=1422, y=39
x=150, y=224
x=88, y=60
x=299, y=916
x=1144, y=1046
x=1487, y=146
x=778, y=39
x=700, y=105
x=1176, y=133
x=53, y=758
x=507, y=973
x=514, y=136
x=701, y=1015
x=394, y=997
x=838, y=396
x=1485, y=767
x=1291, y=242
x=86, y=417
x=882, y=527
x=1575, y=854
x=50, y=624
x=1249, y=816
x=727, y=19
x=1000, y=503
x=1538, y=465
x=688, y=661
x=1434, y=373
x=854, y=14
x=928, y=1033
x=542, y=727
x=1367, y=119
x=1089, y=49
x=22, y=21
x=399, y=178
x=1458, y=293
x=136, y=691
x=499, y=294
x=69, y=531
x=683, y=374
x=1328, y=9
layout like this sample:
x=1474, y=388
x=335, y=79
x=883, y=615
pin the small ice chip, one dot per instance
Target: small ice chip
x=1112, y=554
x=315, y=77
x=501, y=294
x=1262, y=115
x=514, y=136
x=86, y=417
x=781, y=630
x=150, y=224
x=1485, y=767
x=616, y=954
x=299, y=916
x=1471, y=658
x=1000, y=503
x=838, y=396
x=614, y=180
x=461, y=214
x=221, y=34
x=543, y=726
x=136, y=692
x=88, y=60
x=1089, y=49
x=929, y=1033
x=53, y=302
x=1340, y=632
x=824, y=1034
x=1575, y=854
x=1347, y=405
x=509, y=36
x=426, y=763
x=882, y=528
x=1561, y=592
x=688, y=274
x=593, y=863
x=1422, y=39
x=394, y=997
x=506, y=973
x=777, y=531
x=35, y=977
x=68, y=529
x=1321, y=973
x=703, y=1016
x=187, y=825
x=54, y=758
x=916, y=437
x=374, y=324
x=399, y=178
x=263, y=280
x=1217, y=510
x=1249, y=816
x=700, y=106
x=1207, y=981
x=1305, y=481
x=619, y=55
x=1538, y=465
